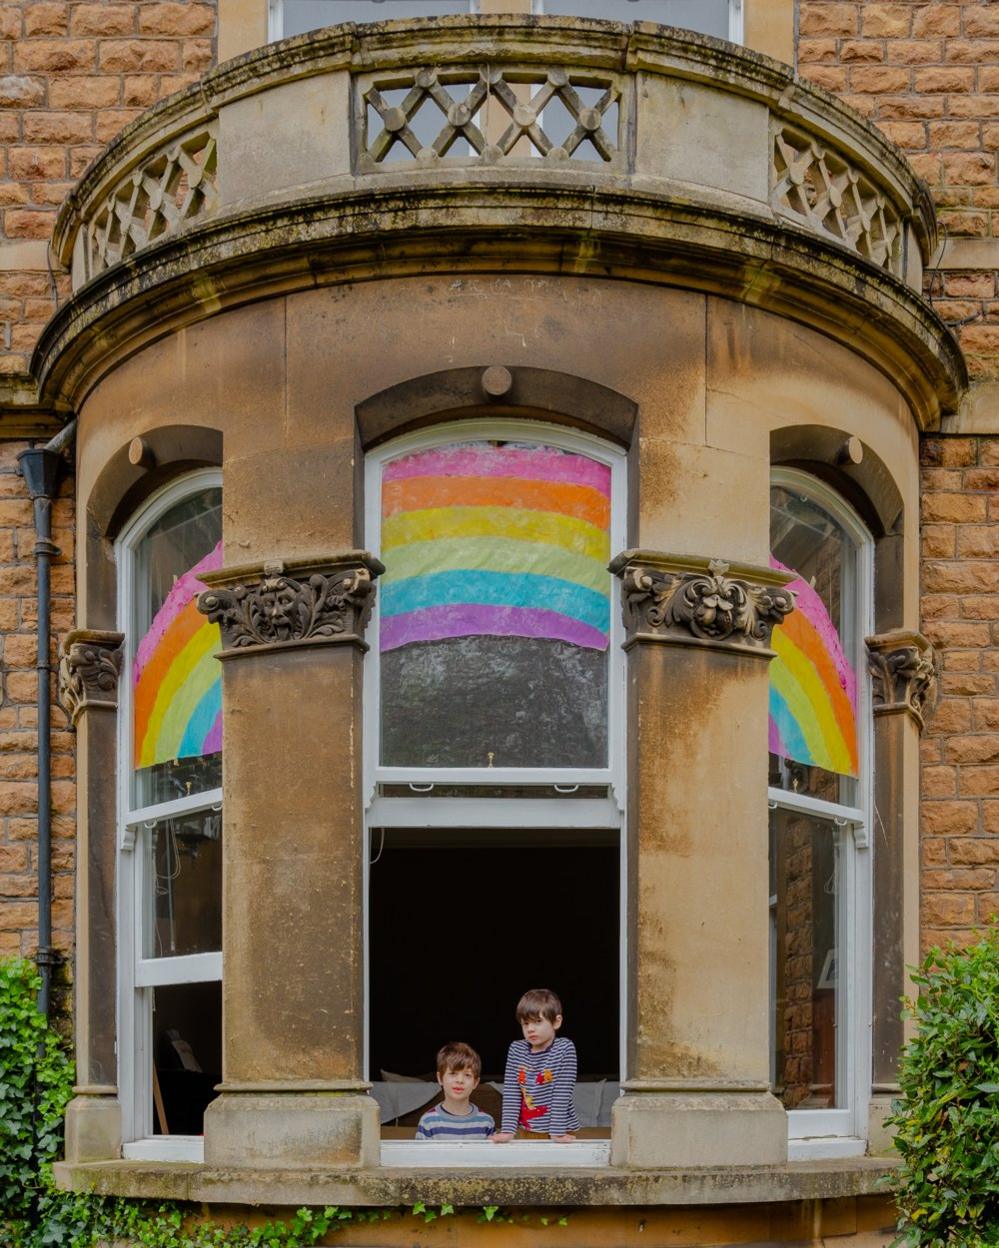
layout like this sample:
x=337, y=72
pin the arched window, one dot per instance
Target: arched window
x=170, y=822
x=819, y=796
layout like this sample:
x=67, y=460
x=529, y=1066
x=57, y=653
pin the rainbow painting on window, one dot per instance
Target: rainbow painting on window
x=495, y=607
x=813, y=688
x=505, y=541
x=177, y=680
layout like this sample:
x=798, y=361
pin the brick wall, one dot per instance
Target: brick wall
x=19, y=718
x=71, y=75
x=928, y=75
x=960, y=774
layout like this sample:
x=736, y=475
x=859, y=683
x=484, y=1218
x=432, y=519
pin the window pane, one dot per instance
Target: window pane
x=495, y=607
x=176, y=679
x=303, y=15
x=813, y=681
x=183, y=885
x=187, y=1055
x=805, y=929
x=707, y=17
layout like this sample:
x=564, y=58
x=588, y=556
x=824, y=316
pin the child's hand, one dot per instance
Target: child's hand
x=501, y=1137
x=562, y=1139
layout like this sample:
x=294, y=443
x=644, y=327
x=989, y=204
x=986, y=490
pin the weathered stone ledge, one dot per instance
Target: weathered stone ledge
x=492, y=225
x=551, y=1187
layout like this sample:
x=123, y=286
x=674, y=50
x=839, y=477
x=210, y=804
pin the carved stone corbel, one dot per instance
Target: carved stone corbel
x=299, y=602
x=683, y=600
x=903, y=672
x=89, y=668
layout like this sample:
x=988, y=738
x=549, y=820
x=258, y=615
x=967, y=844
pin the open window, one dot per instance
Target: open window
x=494, y=753
x=820, y=803
x=169, y=823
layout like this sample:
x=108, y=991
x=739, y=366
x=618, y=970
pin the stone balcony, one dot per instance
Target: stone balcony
x=491, y=144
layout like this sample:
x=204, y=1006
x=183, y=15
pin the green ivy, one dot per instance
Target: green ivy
x=36, y=1084
x=947, y=1124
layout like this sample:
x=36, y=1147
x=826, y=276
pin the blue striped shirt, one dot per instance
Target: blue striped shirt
x=440, y=1124
x=538, y=1088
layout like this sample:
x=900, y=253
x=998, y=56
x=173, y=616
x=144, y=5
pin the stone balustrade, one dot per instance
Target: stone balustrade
x=644, y=108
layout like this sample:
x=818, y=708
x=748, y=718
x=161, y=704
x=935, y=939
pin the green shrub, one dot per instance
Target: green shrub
x=947, y=1125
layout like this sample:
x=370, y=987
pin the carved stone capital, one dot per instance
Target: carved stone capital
x=682, y=600
x=903, y=673
x=89, y=668
x=300, y=602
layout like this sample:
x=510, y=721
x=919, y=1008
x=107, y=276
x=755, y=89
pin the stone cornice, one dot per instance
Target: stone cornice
x=89, y=668
x=680, y=600
x=466, y=221
x=903, y=674
x=301, y=602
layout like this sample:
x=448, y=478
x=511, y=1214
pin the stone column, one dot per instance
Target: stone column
x=698, y=1063
x=88, y=677
x=292, y=932
x=903, y=680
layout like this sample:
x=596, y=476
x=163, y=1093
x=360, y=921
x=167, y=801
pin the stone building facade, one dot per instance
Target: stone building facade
x=666, y=265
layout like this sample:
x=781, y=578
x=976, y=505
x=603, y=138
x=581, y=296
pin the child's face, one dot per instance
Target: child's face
x=458, y=1084
x=540, y=1032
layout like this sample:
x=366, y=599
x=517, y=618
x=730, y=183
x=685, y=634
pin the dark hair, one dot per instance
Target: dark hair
x=457, y=1055
x=538, y=1003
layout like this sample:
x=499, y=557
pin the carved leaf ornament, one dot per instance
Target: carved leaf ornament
x=279, y=609
x=88, y=672
x=904, y=677
x=708, y=605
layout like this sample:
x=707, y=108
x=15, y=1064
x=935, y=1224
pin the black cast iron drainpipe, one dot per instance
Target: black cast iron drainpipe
x=41, y=467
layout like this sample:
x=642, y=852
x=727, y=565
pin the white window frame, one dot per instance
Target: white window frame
x=842, y=1132
x=138, y=975
x=275, y=17
x=427, y=811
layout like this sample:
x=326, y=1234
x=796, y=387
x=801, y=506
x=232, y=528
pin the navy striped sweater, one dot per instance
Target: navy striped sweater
x=538, y=1088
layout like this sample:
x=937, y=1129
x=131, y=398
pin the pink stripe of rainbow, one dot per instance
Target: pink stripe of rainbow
x=506, y=461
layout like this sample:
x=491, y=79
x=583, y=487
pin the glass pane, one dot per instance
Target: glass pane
x=805, y=929
x=813, y=681
x=187, y=1055
x=176, y=679
x=183, y=885
x=495, y=607
x=303, y=15
x=707, y=17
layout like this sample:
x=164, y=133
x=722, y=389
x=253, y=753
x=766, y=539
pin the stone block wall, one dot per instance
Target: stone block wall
x=960, y=773
x=19, y=719
x=71, y=76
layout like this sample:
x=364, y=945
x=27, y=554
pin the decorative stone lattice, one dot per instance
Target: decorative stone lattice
x=168, y=190
x=814, y=185
x=497, y=111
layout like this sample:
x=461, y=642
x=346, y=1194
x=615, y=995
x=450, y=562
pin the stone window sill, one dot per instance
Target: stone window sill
x=475, y=1186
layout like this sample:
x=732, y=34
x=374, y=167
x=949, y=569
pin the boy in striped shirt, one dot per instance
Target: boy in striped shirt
x=540, y=1077
x=456, y=1118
